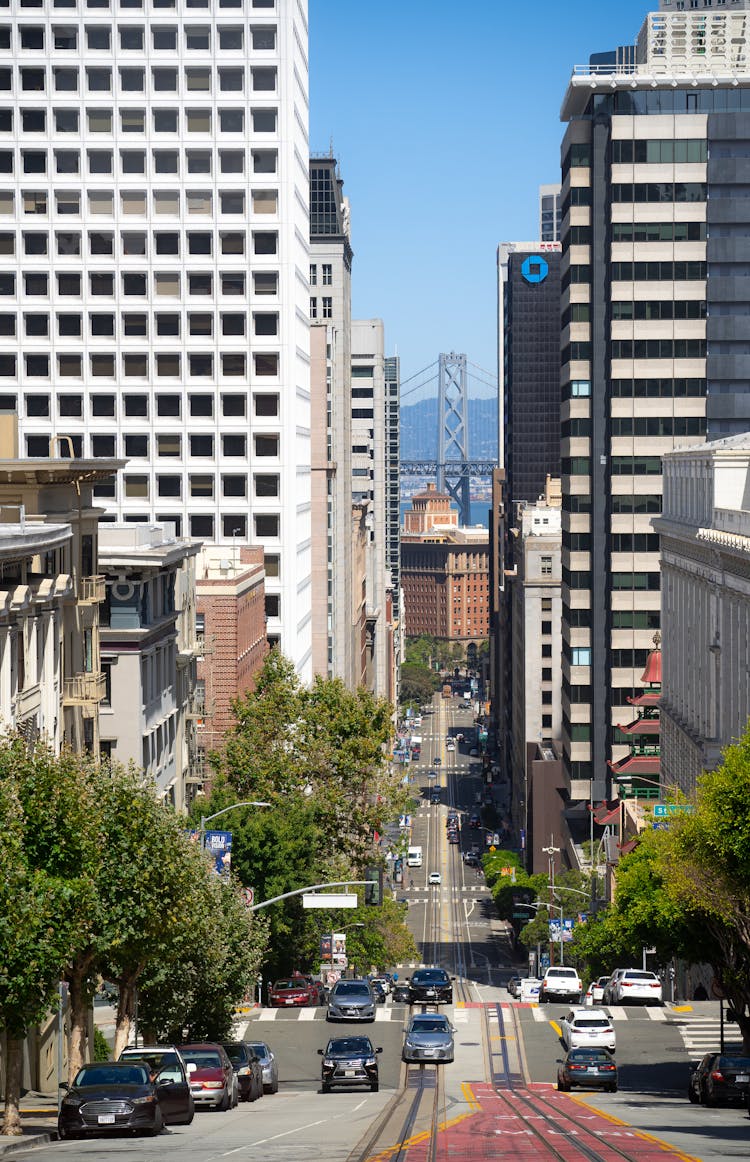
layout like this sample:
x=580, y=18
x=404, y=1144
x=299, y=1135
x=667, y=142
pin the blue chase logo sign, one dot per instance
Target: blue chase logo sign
x=535, y=269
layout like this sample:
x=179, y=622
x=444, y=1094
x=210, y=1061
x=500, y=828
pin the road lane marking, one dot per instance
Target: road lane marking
x=285, y=1134
x=556, y=1027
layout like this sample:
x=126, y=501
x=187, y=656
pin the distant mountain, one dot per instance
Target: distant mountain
x=419, y=430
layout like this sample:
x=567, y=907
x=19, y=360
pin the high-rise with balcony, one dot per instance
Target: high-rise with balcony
x=153, y=264
x=656, y=210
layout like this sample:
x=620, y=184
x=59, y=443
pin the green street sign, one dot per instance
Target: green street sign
x=521, y=916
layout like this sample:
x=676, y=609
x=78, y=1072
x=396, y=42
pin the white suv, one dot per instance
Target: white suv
x=561, y=984
x=582, y=1029
x=633, y=984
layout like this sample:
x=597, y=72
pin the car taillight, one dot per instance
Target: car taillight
x=627, y=984
x=608, y=1068
x=717, y=1075
x=655, y=984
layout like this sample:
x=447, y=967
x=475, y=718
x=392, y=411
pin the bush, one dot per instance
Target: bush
x=101, y=1046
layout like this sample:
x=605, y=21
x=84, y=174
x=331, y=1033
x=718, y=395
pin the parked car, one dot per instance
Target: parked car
x=587, y=1069
x=512, y=985
x=291, y=992
x=560, y=984
x=720, y=1079
x=378, y=991
x=110, y=1096
x=213, y=1081
x=431, y=985
x=248, y=1068
x=428, y=1037
x=349, y=1061
x=581, y=1029
x=351, y=1000
x=633, y=984
x=471, y=858
x=268, y=1064
x=169, y=1072
x=315, y=988
x=595, y=992
x=401, y=992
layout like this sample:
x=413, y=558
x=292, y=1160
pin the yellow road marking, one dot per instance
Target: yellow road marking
x=682, y=1008
x=469, y=1096
x=556, y=1027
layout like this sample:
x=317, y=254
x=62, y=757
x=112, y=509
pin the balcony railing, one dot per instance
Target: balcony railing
x=83, y=689
x=91, y=590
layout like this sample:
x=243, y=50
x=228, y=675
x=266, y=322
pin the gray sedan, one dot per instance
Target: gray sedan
x=351, y=1000
x=428, y=1037
x=268, y=1065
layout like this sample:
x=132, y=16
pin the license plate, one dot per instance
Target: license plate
x=106, y=1119
x=350, y=1073
x=591, y=1069
x=288, y=1002
x=430, y=1052
x=742, y=1077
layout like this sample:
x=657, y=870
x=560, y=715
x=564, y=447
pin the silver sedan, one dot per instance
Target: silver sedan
x=429, y=1037
x=268, y=1064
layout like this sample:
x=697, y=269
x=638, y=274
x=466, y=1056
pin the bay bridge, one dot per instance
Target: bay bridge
x=453, y=469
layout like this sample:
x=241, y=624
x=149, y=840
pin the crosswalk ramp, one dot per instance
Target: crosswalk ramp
x=703, y=1035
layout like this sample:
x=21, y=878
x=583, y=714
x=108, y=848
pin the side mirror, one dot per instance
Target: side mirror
x=379, y=1049
x=191, y=1067
x=321, y=1053
x=63, y=1085
x=453, y=978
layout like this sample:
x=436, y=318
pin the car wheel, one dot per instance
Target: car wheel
x=374, y=1087
x=692, y=1096
x=711, y=1101
x=563, y=1087
x=225, y=1102
x=275, y=1086
x=325, y=1088
x=612, y=1089
x=542, y=997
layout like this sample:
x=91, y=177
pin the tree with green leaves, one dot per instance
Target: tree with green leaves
x=42, y=902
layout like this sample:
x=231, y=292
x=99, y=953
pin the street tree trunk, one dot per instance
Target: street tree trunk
x=125, y=1010
x=78, y=1046
x=12, y=1121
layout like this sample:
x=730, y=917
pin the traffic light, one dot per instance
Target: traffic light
x=374, y=891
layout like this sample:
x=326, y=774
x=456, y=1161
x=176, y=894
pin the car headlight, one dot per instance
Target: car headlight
x=327, y=1064
x=370, y=1061
x=147, y=1099
x=72, y=1102
x=213, y=1084
x=244, y=1070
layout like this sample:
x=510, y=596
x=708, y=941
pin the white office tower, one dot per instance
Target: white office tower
x=153, y=264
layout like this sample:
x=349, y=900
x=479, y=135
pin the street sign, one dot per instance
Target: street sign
x=329, y=900
x=663, y=810
x=521, y=916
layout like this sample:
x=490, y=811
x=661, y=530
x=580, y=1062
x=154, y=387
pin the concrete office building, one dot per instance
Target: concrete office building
x=550, y=213
x=655, y=222
x=705, y=564
x=336, y=636
x=154, y=300
x=369, y=487
x=149, y=651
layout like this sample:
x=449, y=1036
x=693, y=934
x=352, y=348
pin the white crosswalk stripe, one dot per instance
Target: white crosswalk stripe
x=703, y=1035
x=381, y=1014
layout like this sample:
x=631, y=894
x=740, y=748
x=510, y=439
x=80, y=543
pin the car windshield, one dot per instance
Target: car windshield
x=203, y=1058
x=289, y=984
x=261, y=1050
x=236, y=1053
x=429, y=1025
x=587, y=1055
x=639, y=976
x=430, y=976
x=561, y=972
x=351, y=988
x=357, y=1046
x=734, y=1063
x=112, y=1075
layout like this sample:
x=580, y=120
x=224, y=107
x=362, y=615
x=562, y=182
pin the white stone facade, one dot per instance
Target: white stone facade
x=705, y=555
x=154, y=263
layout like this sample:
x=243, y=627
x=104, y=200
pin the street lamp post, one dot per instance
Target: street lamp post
x=208, y=818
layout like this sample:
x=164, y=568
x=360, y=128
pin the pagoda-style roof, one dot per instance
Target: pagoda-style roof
x=641, y=726
x=637, y=764
x=628, y=846
x=651, y=676
x=650, y=698
x=605, y=813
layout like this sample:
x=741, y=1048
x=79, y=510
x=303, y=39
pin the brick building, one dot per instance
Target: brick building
x=231, y=621
x=444, y=576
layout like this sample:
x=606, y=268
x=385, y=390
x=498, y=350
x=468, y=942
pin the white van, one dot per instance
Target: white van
x=414, y=857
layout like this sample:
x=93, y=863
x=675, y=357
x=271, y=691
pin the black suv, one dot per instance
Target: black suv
x=431, y=986
x=349, y=1061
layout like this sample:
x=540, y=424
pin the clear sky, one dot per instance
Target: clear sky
x=444, y=118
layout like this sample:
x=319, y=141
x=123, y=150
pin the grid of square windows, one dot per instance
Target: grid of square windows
x=169, y=123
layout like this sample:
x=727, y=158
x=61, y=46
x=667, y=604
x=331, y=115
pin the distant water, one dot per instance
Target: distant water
x=479, y=511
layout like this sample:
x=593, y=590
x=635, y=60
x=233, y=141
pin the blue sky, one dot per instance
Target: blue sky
x=445, y=121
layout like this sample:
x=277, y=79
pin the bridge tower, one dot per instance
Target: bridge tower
x=453, y=433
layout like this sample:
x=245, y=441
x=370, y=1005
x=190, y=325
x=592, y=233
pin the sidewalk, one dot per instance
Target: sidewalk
x=38, y=1120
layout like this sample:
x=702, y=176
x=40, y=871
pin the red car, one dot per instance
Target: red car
x=290, y=992
x=213, y=1081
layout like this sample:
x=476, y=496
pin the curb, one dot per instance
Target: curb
x=25, y=1142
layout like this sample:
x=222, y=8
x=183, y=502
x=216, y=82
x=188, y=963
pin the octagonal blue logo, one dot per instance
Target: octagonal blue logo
x=535, y=269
